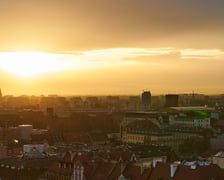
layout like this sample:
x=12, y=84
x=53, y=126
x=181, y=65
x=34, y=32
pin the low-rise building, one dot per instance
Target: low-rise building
x=218, y=159
x=28, y=164
x=194, y=170
x=191, y=117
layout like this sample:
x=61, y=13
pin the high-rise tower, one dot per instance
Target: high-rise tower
x=146, y=100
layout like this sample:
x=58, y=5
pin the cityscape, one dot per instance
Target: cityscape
x=111, y=90
x=112, y=137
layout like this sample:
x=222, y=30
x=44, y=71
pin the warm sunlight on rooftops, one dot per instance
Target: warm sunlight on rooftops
x=30, y=64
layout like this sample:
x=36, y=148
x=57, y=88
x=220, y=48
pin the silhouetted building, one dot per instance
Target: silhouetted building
x=146, y=100
x=172, y=100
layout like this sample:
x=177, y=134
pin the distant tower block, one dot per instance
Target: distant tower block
x=146, y=100
x=172, y=100
x=0, y=93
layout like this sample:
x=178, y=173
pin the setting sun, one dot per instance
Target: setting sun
x=84, y=47
x=30, y=64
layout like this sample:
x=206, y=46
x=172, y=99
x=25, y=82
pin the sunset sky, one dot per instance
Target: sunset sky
x=79, y=47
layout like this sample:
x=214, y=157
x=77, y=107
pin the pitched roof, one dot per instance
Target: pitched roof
x=117, y=155
x=130, y=171
x=89, y=169
x=184, y=172
x=123, y=155
x=67, y=157
x=82, y=158
x=116, y=172
x=137, y=172
x=162, y=170
x=200, y=173
x=103, y=170
x=60, y=170
x=209, y=153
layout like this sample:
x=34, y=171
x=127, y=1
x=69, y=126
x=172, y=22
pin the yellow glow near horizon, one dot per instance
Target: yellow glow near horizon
x=30, y=64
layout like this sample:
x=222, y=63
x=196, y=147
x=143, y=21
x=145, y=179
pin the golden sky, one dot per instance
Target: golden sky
x=111, y=46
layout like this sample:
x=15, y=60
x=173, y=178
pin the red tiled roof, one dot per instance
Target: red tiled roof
x=82, y=158
x=162, y=170
x=103, y=170
x=136, y=172
x=116, y=172
x=89, y=169
x=200, y=173
x=183, y=172
x=70, y=157
x=130, y=171
x=116, y=156
x=127, y=155
x=60, y=170
x=105, y=155
x=209, y=153
x=67, y=157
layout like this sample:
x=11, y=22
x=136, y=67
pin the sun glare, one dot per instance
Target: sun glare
x=30, y=64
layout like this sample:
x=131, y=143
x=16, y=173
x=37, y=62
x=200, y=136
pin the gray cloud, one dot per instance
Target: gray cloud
x=78, y=24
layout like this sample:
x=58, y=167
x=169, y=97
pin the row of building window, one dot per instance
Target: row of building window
x=142, y=139
x=53, y=176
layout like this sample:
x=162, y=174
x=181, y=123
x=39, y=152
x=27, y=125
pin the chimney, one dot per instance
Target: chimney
x=173, y=168
x=154, y=162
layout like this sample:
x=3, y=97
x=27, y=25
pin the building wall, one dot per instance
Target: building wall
x=183, y=135
x=133, y=138
x=203, y=123
x=128, y=137
x=146, y=100
x=190, y=122
x=218, y=160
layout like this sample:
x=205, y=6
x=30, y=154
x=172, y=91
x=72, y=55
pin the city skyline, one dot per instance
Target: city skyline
x=110, y=47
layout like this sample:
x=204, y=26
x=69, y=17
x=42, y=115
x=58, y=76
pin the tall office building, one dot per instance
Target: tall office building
x=146, y=100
